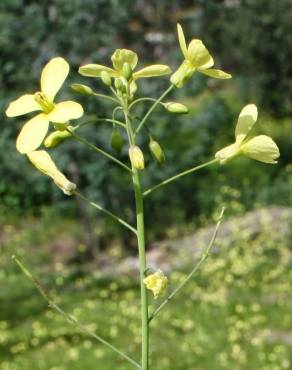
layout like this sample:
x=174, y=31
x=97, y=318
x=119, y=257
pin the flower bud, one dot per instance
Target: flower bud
x=56, y=138
x=127, y=71
x=157, y=152
x=116, y=140
x=175, y=107
x=136, y=157
x=106, y=78
x=119, y=84
x=58, y=126
x=156, y=282
x=82, y=89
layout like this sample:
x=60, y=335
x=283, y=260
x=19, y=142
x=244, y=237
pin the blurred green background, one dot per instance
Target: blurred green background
x=236, y=314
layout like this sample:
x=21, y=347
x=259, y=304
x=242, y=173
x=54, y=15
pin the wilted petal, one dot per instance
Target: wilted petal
x=216, y=73
x=152, y=71
x=182, y=41
x=262, y=148
x=122, y=56
x=247, y=118
x=94, y=70
x=198, y=55
x=25, y=104
x=65, y=111
x=157, y=283
x=32, y=134
x=53, y=77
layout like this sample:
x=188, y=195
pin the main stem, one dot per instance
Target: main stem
x=142, y=263
x=141, y=248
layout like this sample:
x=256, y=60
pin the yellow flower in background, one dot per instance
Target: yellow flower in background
x=120, y=58
x=33, y=132
x=44, y=163
x=197, y=58
x=156, y=282
x=261, y=147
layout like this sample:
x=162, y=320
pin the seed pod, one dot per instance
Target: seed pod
x=127, y=71
x=116, y=140
x=82, y=89
x=175, y=107
x=156, y=151
x=136, y=157
x=106, y=78
x=56, y=138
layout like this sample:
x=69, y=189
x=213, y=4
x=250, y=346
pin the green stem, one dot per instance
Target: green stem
x=141, y=249
x=175, y=177
x=140, y=100
x=68, y=317
x=171, y=87
x=106, y=97
x=142, y=263
x=110, y=214
x=109, y=120
x=194, y=270
x=98, y=150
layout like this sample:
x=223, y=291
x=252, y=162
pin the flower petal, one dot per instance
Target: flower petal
x=228, y=152
x=94, y=70
x=182, y=41
x=198, y=54
x=53, y=76
x=122, y=56
x=25, y=104
x=32, y=134
x=262, y=148
x=65, y=111
x=152, y=71
x=247, y=118
x=216, y=73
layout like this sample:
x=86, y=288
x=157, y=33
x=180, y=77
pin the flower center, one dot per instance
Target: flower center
x=44, y=102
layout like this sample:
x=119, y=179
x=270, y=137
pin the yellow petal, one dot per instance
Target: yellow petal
x=122, y=56
x=65, y=111
x=182, y=41
x=32, y=134
x=44, y=163
x=182, y=75
x=247, y=118
x=157, y=283
x=94, y=70
x=198, y=55
x=262, y=148
x=53, y=76
x=228, y=152
x=24, y=104
x=152, y=71
x=216, y=73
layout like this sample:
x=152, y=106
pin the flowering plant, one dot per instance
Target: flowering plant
x=121, y=80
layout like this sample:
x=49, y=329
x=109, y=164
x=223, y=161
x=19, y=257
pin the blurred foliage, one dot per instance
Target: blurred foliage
x=234, y=314
x=237, y=32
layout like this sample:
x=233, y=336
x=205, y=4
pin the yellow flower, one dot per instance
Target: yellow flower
x=156, y=282
x=33, y=132
x=197, y=58
x=44, y=163
x=120, y=58
x=261, y=147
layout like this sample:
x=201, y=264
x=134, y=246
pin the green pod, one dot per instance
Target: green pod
x=56, y=138
x=156, y=151
x=116, y=140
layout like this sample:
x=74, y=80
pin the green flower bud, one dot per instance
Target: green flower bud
x=82, y=89
x=157, y=152
x=106, y=78
x=127, y=71
x=61, y=126
x=56, y=138
x=116, y=140
x=136, y=157
x=119, y=84
x=175, y=107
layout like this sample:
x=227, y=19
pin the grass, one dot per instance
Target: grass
x=235, y=315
